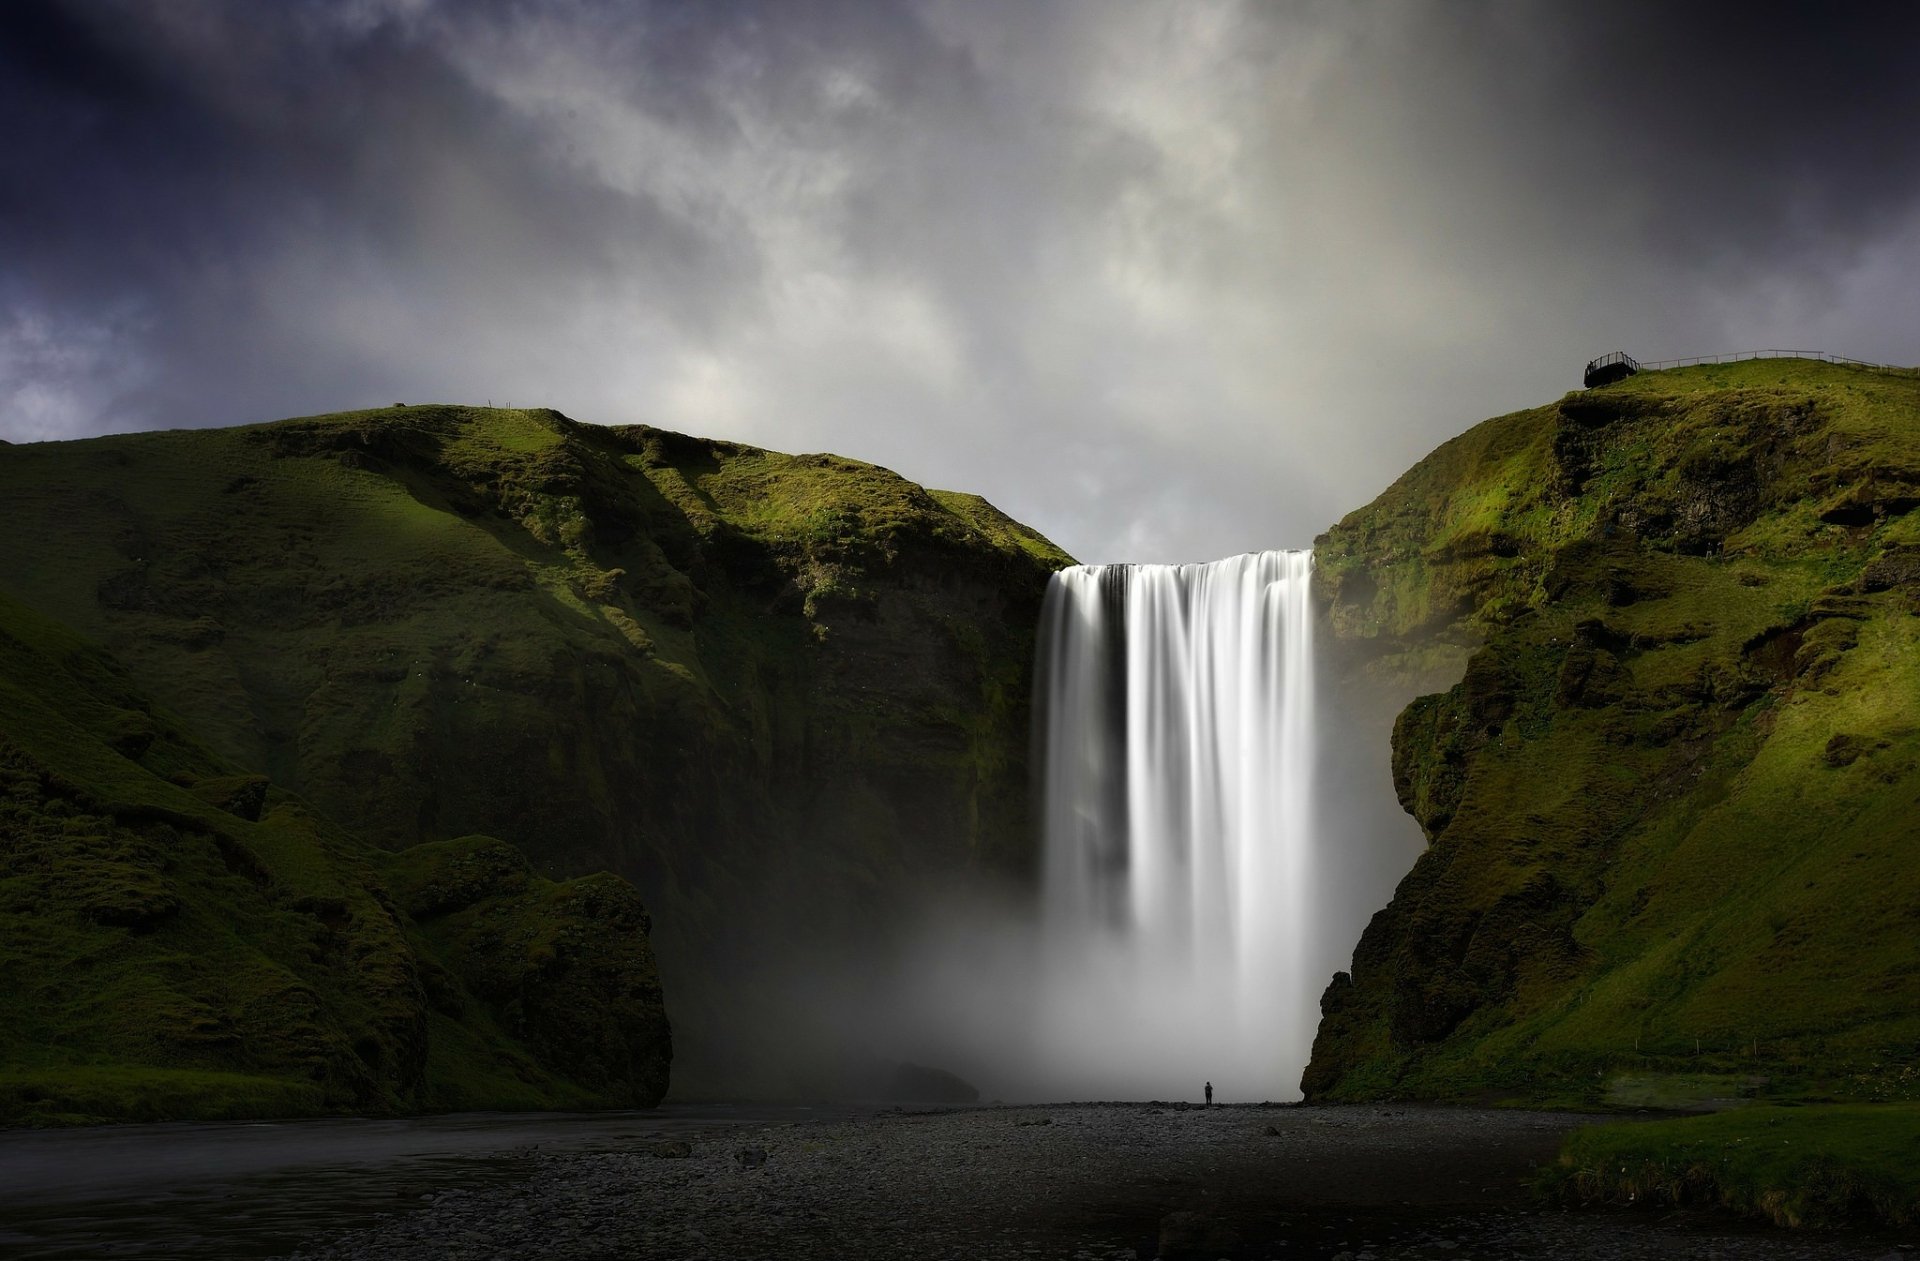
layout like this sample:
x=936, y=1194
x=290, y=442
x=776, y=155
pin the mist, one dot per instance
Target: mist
x=1217, y=824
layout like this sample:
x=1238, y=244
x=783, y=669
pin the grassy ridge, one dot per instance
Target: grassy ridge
x=777, y=693
x=1672, y=800
x=1818, y=1166
x=177, y=940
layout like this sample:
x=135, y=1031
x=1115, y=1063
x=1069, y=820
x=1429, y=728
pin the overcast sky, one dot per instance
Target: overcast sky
x=1167, y=281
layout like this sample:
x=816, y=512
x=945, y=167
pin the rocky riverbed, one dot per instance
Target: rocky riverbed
x=1090, y=1182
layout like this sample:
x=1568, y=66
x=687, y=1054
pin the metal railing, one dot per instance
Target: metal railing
x=1607, y=361
x=1736, y=357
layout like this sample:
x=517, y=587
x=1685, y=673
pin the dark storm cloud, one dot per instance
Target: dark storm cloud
x=1794, y=130
x=1166, y=280
x=210, y=178
x=1746, y=129
x=149, y=140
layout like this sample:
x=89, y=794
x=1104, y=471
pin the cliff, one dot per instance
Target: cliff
x=782, y=696
x=1671, y=801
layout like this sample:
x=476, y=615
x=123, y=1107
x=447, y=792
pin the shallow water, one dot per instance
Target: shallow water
x=260, y=1189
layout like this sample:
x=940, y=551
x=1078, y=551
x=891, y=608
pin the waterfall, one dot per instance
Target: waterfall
x=1175, y=737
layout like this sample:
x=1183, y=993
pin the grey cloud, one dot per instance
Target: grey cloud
x=1719, y=133
x=230, y=178
x=1166, y=280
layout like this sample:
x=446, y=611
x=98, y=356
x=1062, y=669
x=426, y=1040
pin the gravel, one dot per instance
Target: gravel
x=1090, y=1182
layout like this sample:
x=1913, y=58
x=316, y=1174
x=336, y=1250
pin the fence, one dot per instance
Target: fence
x=1823, y=356
x=1607, y=369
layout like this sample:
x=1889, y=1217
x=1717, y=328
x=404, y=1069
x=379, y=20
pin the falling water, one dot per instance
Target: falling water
x=1176, y=736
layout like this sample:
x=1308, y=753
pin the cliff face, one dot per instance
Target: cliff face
x=178, y=940
x=780, y=695
x=1671, y=801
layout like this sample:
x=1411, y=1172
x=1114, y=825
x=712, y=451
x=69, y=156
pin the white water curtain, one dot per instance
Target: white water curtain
x=1176, y=712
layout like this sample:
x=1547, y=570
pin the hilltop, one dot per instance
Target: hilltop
x=1670, y=793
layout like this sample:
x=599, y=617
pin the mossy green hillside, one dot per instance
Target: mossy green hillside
x=778, y=693
x=177, y=940
x=1672, y=802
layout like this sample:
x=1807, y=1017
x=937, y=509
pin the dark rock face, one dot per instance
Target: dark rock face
x=1679, y=605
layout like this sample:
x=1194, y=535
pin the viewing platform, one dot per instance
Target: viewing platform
x=1607, y=369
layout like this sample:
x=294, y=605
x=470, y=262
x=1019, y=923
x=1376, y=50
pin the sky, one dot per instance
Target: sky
x=1166, y=281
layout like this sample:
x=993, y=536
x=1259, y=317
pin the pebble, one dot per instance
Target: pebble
x=1102, y=1183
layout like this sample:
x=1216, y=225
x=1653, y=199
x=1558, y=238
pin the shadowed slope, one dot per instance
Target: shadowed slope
x=180, y=941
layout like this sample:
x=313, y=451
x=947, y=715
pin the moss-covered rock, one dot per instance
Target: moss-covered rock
x=566, y=968
x=1671, y=795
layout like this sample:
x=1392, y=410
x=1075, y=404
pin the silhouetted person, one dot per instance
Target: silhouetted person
x=1209, y=1094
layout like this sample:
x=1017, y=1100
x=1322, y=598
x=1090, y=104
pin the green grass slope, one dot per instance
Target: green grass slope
x=1672, y=802
x=777, y=693
x=1794, y=1166
x=179, y=941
